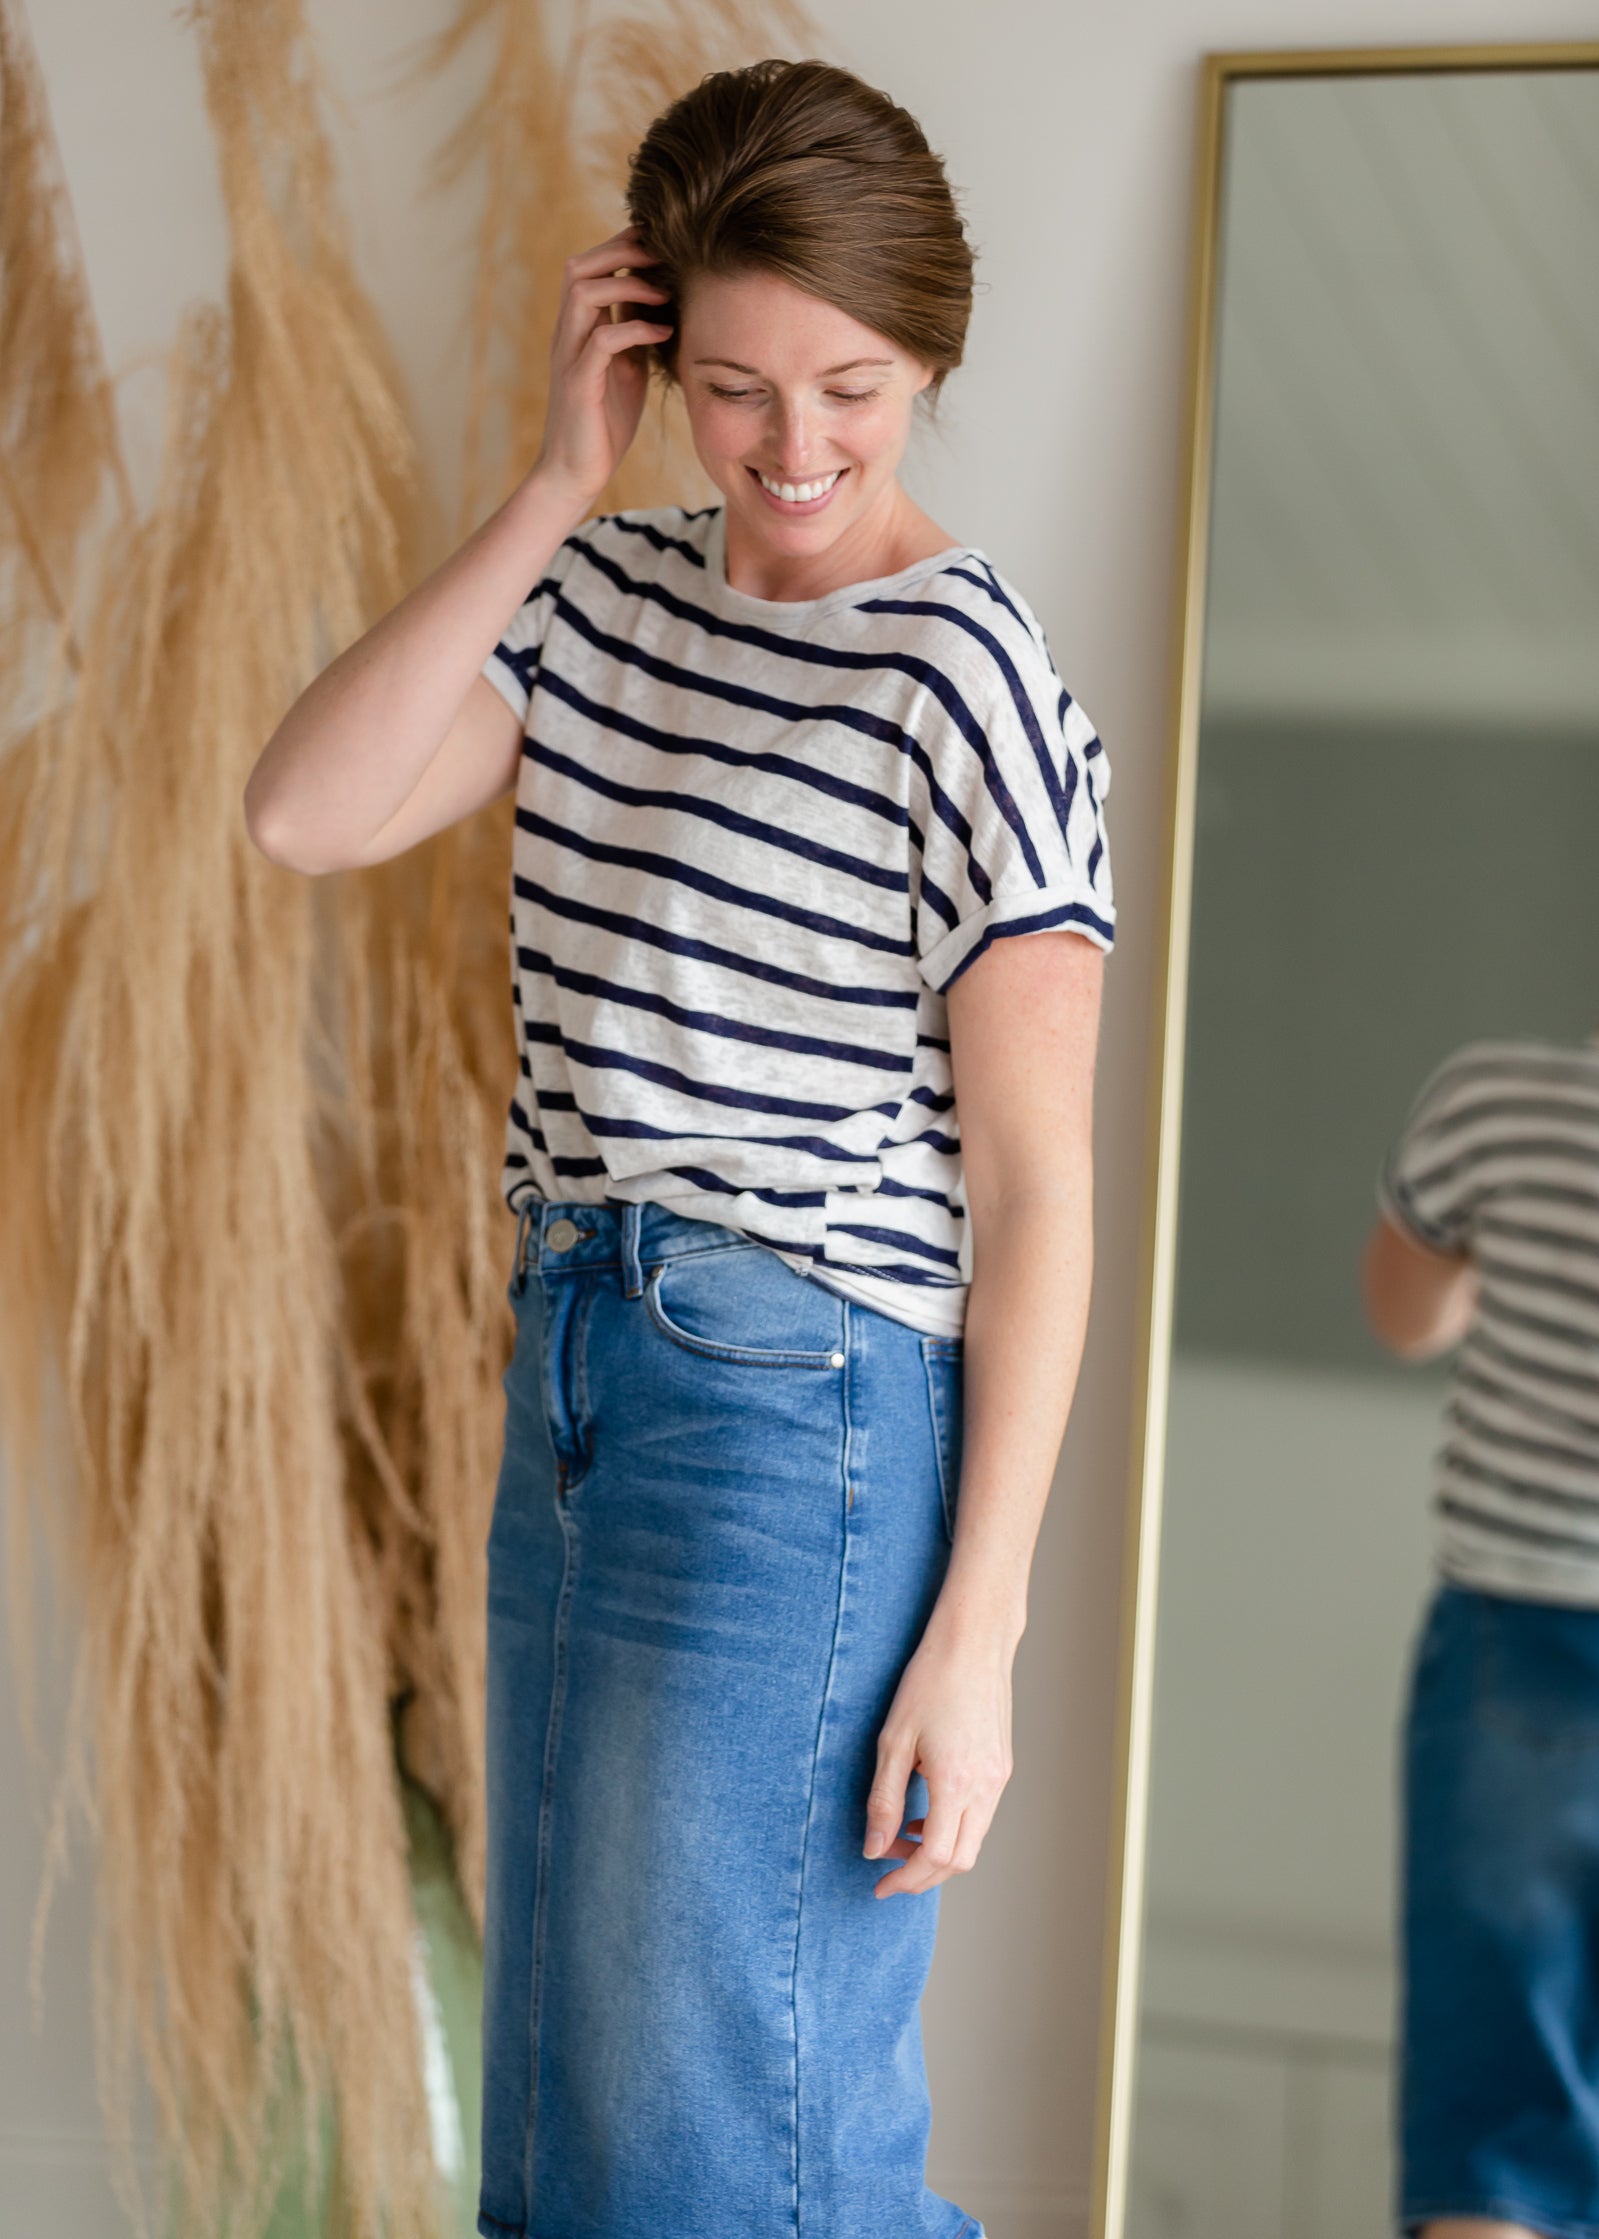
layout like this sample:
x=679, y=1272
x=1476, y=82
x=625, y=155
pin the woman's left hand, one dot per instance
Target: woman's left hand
x=951, y=1722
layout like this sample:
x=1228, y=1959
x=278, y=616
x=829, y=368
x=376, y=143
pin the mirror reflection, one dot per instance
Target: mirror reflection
x=1369, y=1998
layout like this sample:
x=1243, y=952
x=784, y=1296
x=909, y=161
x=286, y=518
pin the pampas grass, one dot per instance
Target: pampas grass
x=252, y=1253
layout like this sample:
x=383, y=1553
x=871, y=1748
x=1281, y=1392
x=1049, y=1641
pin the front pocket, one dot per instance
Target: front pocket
x=943, y=1359
x=746, y=1306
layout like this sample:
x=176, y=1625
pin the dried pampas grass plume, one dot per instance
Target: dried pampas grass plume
x=251, y=1238
x=554, y=127
x=164, y=1239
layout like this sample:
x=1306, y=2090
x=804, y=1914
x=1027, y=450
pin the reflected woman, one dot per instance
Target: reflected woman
x=1489, y=1239
x=793, y=777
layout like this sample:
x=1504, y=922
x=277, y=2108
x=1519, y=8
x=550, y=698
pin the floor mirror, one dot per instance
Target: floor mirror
x=1384, y=841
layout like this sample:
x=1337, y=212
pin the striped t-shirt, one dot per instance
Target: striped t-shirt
x=756, y=842
x=1500, y=1159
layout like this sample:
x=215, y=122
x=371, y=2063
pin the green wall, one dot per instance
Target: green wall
x=1366, y=898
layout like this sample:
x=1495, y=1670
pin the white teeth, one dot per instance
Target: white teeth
x=799, y=493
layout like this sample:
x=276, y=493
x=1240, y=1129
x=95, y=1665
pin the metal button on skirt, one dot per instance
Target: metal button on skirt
x=722, y=1518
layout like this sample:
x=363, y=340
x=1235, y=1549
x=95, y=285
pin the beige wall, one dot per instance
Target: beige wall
x=1069, y=129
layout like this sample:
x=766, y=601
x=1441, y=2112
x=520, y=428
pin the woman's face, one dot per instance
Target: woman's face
x=785, y=390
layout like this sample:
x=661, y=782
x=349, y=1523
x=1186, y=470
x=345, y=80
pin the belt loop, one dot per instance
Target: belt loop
x=632, y=1266
x=525, y=1219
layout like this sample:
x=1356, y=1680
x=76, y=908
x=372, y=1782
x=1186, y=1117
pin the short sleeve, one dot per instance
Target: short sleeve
x=514, y=662
x=1427, y=1180
x=1010, y=800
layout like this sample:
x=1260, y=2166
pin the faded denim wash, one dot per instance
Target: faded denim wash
x=722, y=1518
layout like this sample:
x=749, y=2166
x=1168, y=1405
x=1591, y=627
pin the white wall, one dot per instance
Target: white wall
x=1069, y=128
x=1296, y=1559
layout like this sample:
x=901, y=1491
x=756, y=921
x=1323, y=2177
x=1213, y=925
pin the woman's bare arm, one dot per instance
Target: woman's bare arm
x=1024, y=1025
x=1418, y=1302
x=401, y=735
x=393, y=740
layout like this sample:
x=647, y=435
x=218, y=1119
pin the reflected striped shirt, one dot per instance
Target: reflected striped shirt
x=756, y=843
x=1500, y=1158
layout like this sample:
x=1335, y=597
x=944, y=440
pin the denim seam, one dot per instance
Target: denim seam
x=490, y=2227
x=816, y=1747
x=552, y=1743
x=942, y=1450
x=582, y=1429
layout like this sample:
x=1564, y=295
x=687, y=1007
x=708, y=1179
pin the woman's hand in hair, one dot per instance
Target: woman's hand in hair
x=598, y=379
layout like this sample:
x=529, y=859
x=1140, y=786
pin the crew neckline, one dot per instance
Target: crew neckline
x=795, y=613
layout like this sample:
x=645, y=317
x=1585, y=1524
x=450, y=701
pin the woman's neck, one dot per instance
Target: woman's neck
x=881, y=542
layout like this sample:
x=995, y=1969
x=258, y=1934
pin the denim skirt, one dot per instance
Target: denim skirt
x=722, y=1518
x=1499, y=2078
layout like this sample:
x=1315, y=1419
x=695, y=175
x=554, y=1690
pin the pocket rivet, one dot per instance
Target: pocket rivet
x=837, y=1360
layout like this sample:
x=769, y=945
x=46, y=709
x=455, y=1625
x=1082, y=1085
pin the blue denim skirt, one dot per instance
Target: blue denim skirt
x=1499, y=2080
x=722, y=1518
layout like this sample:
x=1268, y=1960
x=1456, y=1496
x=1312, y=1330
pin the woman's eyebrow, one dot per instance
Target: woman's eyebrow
x=826, y=373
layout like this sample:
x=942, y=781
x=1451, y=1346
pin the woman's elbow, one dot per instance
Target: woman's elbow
x=273, y=835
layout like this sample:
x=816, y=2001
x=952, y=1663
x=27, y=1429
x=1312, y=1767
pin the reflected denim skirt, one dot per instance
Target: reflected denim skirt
x=1499, y=2078
x=723, y=1514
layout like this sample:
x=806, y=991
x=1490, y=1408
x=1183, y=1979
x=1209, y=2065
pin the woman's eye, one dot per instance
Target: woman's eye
x=842, y=396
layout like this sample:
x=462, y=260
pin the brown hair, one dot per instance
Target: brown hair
x=801, y=169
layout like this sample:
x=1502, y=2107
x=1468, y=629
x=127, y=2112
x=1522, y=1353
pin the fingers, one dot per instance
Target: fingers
x=622, y=248
x=627, y=334
x=960, y=1813
x=936, y=1858
x=604, y=304
x=885, y=1806
x=620, y=286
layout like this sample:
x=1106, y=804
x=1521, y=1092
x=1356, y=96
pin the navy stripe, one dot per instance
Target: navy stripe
x=1060, y=798
x=641, y=1131
x=1507, y=1527
x=897, y=1240
x=1495, y=1308
x=1553, y=1496
x=691, y=804
x=1539, y=1279
x=1555, y=1148
x=1534, y=1370
x=1066, y=915
x=890, y=1188
x=1581, y=1111
x=597, y=1059
x=921, y=672
x=631, y=656
x=986, y=582
x=681, y=944
x=1477, y=1426
x=714, y=750
x=703, y=1022
x=707, y=883
x=653, y=535
x=713, y=1184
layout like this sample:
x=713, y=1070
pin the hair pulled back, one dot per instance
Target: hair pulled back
x=803, y=170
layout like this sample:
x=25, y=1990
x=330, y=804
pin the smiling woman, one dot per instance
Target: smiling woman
x=798, y=1328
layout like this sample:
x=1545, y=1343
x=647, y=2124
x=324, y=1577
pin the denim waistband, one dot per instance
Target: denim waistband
x=569, y=1238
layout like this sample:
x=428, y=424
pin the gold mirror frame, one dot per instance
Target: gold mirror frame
x=1141, y=1560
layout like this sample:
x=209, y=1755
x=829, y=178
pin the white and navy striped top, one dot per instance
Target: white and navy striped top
x=1500, y=1159
x=756, y=841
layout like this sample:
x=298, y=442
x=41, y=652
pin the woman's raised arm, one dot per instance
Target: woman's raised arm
x=391, y=742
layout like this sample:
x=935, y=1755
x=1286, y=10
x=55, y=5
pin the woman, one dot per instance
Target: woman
x=1488, y=1240
x=785, y=771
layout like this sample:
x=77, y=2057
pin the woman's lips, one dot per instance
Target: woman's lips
x=798, y=508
